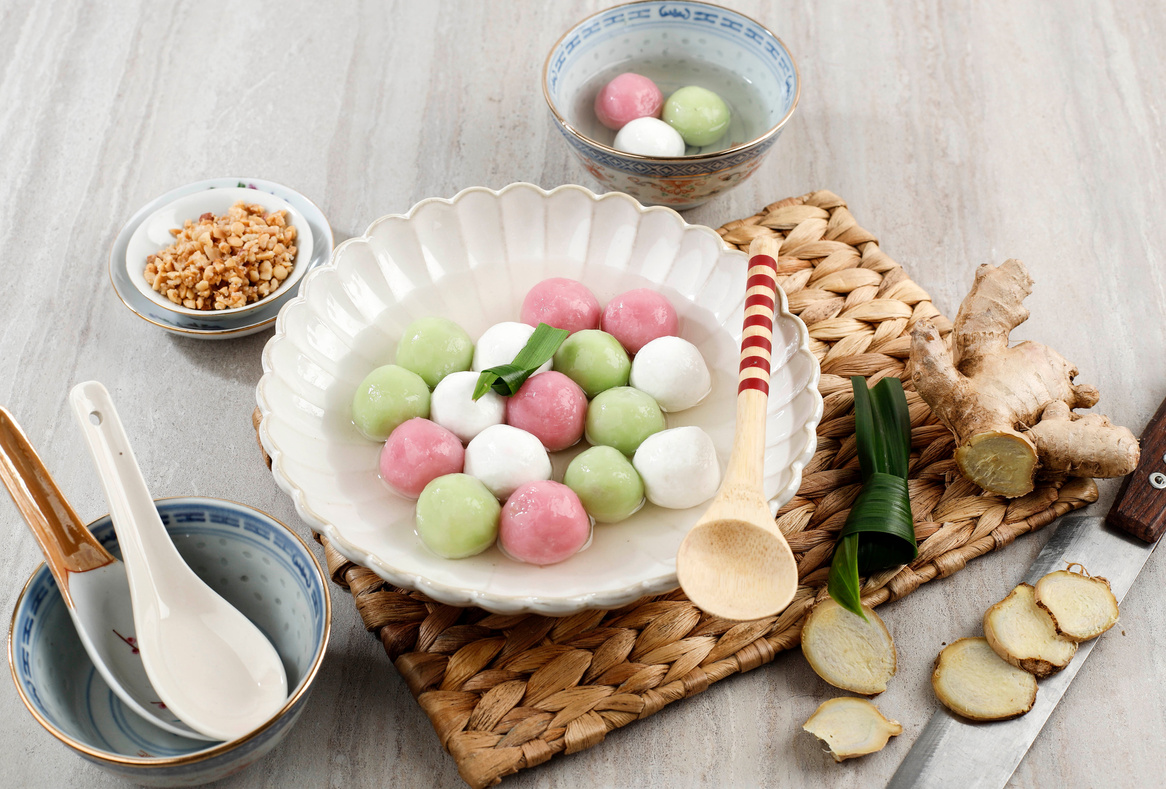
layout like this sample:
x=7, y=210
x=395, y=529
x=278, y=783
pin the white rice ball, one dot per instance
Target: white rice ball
x=500, y=343
x=504, y=458
x=452, y=405
x=673, y=372
x=649, y=137
x=679, y=467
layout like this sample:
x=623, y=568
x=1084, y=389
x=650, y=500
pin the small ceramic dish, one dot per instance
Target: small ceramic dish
x=473, y=259
x=252, y=560
x=222, y=327
x=674, y=44
x=153, y=235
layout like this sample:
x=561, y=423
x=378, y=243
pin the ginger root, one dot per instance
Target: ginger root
x=1011, y=408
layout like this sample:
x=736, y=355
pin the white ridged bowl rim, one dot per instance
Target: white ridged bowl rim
x=498, y=603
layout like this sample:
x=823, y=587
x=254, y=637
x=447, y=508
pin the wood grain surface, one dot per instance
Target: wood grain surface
x=1139, y=506
x=959, y=133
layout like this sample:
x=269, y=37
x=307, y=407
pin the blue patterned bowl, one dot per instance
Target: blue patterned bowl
x=252, y=560
x=675, y=44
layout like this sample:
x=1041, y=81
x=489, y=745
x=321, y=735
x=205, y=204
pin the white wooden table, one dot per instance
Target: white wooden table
x=960, y=135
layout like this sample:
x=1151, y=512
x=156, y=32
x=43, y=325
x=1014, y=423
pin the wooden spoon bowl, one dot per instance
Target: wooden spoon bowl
x=735, y=563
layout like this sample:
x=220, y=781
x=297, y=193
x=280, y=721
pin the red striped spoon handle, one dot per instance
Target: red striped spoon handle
x=757, y=334
x=735, y=563
x=746, y=464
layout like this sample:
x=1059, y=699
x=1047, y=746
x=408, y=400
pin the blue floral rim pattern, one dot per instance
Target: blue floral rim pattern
x=638, y=16
x=197, y=517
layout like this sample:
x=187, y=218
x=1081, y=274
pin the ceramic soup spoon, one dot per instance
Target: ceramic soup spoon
x=211, y=666
x=735, y=563
x=92, y=582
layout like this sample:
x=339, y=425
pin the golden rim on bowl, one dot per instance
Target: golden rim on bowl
x=694, y=157
x=196, y=756
x=266, y=301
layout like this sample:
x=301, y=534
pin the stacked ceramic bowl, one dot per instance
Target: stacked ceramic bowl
x=151, y=230
x=254, y=562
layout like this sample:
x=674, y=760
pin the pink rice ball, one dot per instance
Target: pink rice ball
x=562, y=303
x=543, y=523
x=552, y=407
x=417, y=452
x=627, y=97
x=639, y=316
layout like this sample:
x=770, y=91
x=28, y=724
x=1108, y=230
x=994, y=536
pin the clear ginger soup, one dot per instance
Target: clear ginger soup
x=748, y=118
x=675, y=45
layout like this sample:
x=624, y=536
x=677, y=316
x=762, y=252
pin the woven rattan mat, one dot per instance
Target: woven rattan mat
x=509, y=692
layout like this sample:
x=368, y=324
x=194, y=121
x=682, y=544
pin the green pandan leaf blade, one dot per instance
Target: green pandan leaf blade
x=506, y=379
x=510, y=378
x=889, y=406
x=485, y=383
x=870, y=458
x=540, y=347
x=843, y=583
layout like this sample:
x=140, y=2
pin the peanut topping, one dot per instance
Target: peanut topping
x=221, y=262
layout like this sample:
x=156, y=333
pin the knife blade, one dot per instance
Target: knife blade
x=953, y=752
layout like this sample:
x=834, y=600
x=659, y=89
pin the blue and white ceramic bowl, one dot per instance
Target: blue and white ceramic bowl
x=252, y=560
x=674, y=44
x=238, y=323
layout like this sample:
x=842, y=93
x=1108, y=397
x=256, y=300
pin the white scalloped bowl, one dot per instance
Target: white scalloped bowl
x=472, y=259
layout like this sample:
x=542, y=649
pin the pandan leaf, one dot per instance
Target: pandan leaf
x=842, y=583
x=890, y=404
x=879, y=531
x=882, y=515
x=506, y=379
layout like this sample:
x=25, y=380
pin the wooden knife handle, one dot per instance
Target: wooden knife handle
x=1140, y=506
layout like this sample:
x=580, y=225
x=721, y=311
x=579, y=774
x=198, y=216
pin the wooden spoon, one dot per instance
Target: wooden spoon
x=735, y=563
x=92, y=582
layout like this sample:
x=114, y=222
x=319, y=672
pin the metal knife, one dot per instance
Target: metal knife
x=953, y=752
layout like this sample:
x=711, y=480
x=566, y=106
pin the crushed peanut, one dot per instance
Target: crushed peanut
x=223, y=262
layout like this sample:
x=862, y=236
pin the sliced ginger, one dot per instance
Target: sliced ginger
x=851, y=727
x=1031, y=633
x=1081, y=606
x=846, y=651
x=971, y=680
x=1011, y=408
x=1024, y=634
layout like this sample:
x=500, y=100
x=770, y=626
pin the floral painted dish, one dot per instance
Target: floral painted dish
x=217, y=327
x=472, y=259
x=675, y=43
x=252, y=560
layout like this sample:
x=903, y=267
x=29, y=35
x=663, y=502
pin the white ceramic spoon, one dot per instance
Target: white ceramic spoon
x=92, y=582
x=211, y=666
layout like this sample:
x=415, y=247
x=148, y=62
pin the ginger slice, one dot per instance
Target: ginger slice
x=971, y=680
x=1024, y=634
x=1081, y=606
x=846, y=651
x=851, y=727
